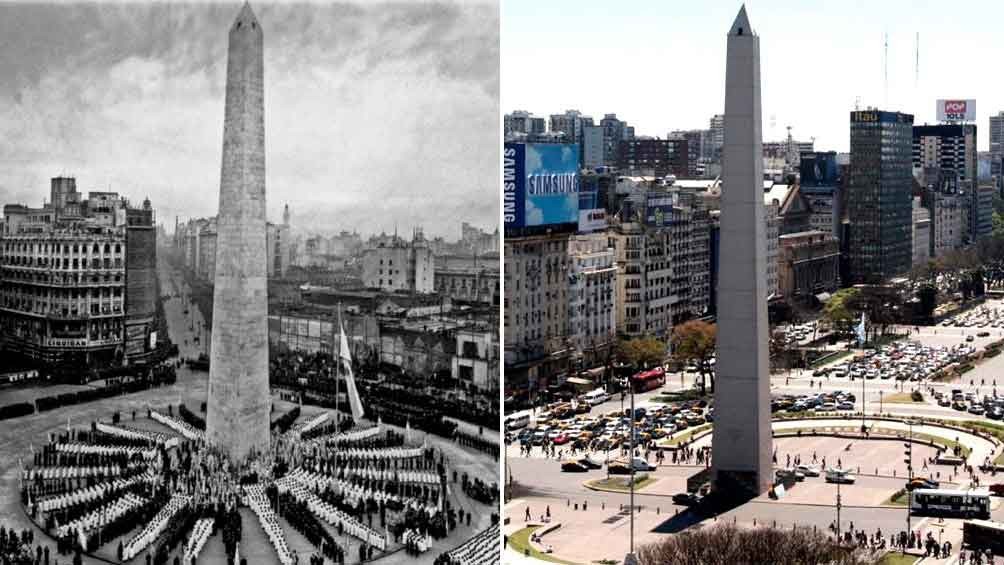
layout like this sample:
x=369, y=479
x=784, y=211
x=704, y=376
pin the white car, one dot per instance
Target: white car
x=807, y=470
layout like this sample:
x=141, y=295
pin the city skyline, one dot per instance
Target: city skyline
x=127, y=98
x=812, y=73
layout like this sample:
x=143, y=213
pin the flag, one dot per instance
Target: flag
x=860, y=330
x=345, y=356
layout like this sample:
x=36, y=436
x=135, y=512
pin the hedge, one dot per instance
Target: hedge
x=16, y=410
x=991, y=353
x=965, y=367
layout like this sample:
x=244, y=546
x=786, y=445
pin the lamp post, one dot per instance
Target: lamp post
x=631, y=558
x=838, y=511
x=863, y=427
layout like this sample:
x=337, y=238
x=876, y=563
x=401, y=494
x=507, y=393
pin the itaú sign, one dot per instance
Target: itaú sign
x=956, y=110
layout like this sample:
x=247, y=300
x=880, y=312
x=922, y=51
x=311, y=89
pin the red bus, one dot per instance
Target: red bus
x=649, y=380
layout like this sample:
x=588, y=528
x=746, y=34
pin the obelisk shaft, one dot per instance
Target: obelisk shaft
x=741, y=445
x=239, y=403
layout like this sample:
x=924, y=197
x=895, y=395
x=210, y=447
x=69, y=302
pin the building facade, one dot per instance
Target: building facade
x=476, y=360
x=808, y=264
x=535, y=309
x=996, y=146
x=78, y=289
x=400, y=267
x=591, y=297
x=948, y=152
x=921, y=233
x=653, y=156
x=879, y=198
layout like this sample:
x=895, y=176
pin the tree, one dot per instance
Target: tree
x=694, y=341
x=642, y=351
x=927, y=294
x=837, y=314
x=882, y=305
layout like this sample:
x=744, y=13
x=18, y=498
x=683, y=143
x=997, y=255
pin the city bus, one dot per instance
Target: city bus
x=949, y=503
x=983, y=534
x=517, y=420
x=649, y=380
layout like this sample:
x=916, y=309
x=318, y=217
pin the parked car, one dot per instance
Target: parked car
x=686, y=498
x=807, y=470
x=574, y=467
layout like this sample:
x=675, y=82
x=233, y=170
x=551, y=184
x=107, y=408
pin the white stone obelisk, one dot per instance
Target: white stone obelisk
x=238, y=406
x=741, y=445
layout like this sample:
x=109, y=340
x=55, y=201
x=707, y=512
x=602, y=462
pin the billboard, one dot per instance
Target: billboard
x=819, y=169
x=540, y=184
x=659, y=209
x=592, y=215
x=591, y=220
x=956, y=110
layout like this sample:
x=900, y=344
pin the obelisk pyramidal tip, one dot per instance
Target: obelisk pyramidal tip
x=239, y=403
x=741, y=445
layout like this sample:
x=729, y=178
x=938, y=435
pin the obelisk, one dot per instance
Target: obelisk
x=741, y=445
x=238, y=406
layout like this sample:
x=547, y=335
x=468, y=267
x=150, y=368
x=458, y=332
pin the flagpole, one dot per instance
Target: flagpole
x=338, y=366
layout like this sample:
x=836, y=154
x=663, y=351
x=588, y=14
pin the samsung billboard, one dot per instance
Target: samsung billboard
x=540, y=184
x=956, y=110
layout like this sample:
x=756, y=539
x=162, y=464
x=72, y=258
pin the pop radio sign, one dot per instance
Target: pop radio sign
x=956, y=110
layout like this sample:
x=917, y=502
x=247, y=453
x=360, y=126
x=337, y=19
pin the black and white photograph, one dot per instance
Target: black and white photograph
x=250, y=283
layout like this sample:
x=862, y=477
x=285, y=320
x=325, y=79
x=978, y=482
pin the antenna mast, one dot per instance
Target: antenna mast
x=885, y=70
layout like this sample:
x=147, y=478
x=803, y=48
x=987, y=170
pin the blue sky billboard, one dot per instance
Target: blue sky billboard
x=540, y=184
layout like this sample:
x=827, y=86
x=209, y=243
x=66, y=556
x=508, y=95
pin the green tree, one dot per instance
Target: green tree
x=837, y=314
x=642, y=352
x=694, y=341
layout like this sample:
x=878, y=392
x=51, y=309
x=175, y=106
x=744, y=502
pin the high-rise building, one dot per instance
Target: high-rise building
x=696, y=140
x=614, y=131
x=997, y=147
x=653, y=156
x=572, y=123
x=592, y=147
x=717, y=137
x=523, y=122
x=949, y=152
x=921, y=233
x=879, y=197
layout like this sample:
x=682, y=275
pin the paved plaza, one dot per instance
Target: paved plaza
x=19, y=436
x=600, y=531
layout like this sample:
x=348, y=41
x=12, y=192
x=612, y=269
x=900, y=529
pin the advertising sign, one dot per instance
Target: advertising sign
x=592, y=215
x=956, y=110
x=592, y=220
x=659, y=210
x=153, y=340
x=819, y=169
x=541, y=184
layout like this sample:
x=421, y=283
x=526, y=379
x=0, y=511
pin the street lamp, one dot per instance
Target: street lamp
x=631, y=558
x=838, y=511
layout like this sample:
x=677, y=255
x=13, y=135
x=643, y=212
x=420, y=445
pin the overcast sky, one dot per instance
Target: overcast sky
x=660, y=64
x=376, y=115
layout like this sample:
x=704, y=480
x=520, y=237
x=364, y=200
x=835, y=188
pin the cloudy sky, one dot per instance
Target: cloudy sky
x=660, y=65
x=376, y=114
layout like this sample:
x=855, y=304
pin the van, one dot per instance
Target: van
x=517, y=420
x=594, y=397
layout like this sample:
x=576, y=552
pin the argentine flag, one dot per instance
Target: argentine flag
x=860, y=330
